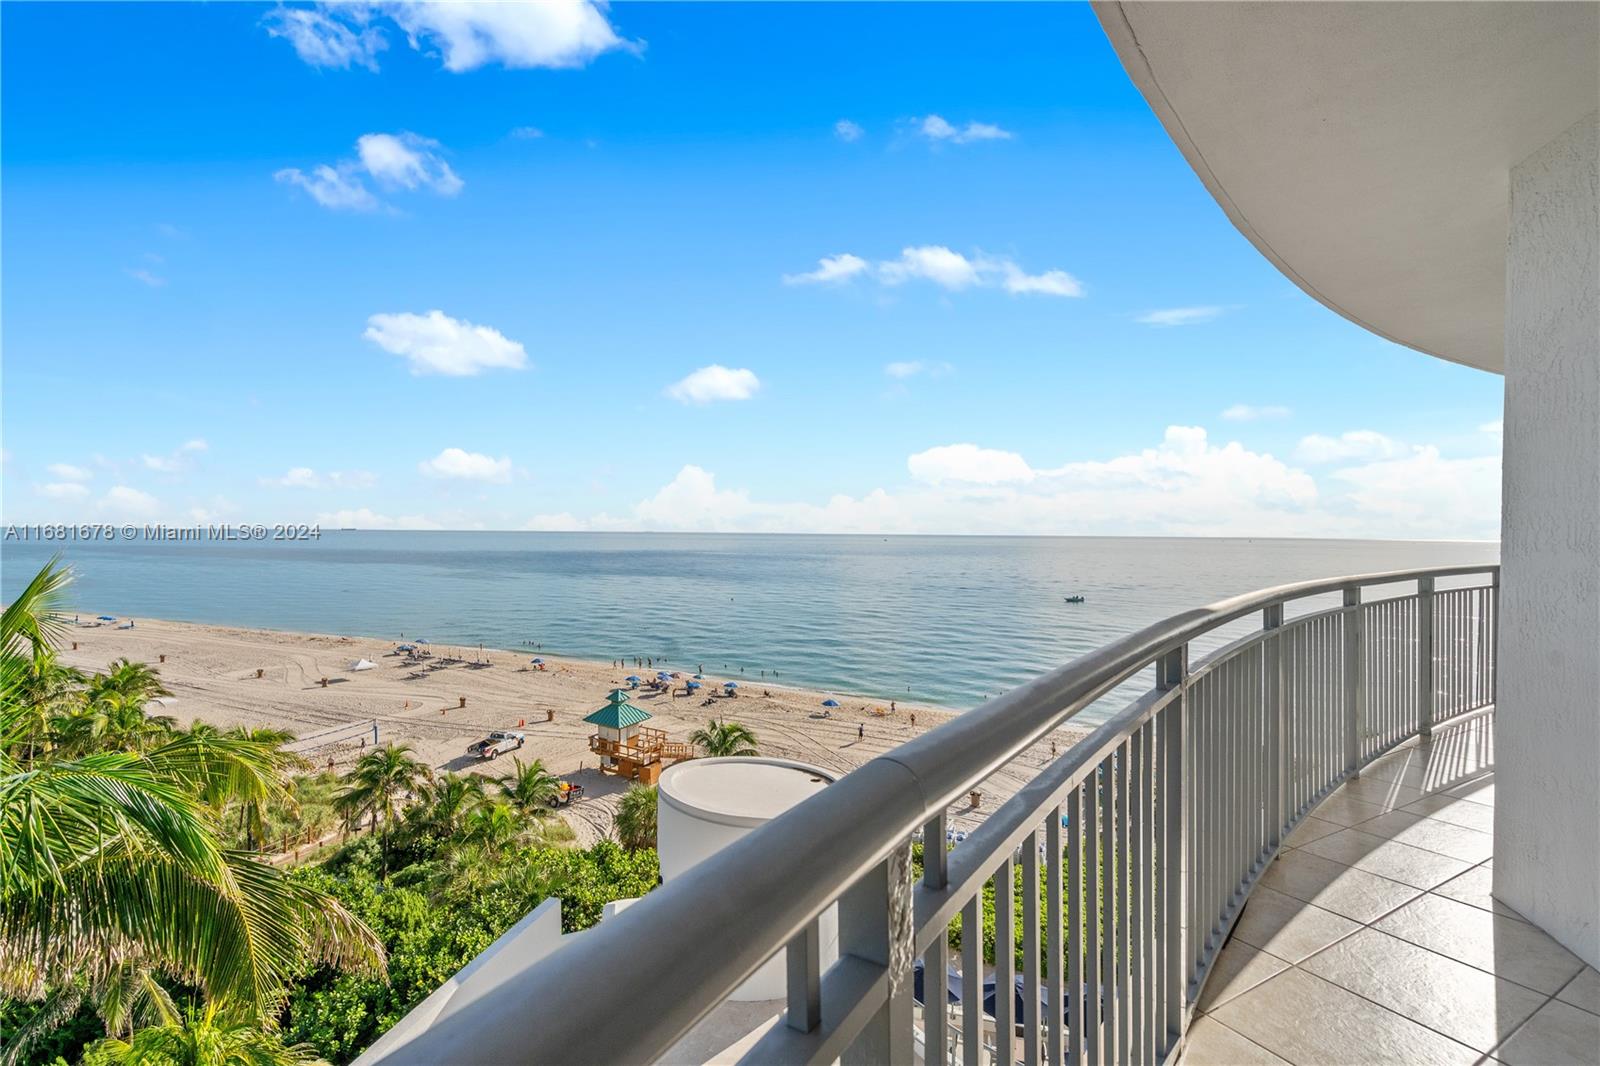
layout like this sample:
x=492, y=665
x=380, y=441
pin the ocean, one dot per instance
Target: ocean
x=948, y=621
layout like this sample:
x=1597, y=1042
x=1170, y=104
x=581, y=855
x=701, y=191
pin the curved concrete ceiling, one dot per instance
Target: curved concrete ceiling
x=1365, y=148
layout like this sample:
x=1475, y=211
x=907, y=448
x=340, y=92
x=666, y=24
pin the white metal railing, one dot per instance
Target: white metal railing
x=1135, y=852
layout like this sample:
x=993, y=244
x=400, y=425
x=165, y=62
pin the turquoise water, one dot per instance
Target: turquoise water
x=943, y=620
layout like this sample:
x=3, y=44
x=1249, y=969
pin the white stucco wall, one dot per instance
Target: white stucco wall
x=1547, y=727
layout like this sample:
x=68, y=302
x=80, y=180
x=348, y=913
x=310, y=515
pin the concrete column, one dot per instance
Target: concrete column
x=1547, y=728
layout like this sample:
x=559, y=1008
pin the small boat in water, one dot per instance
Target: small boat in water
x=1073, y=599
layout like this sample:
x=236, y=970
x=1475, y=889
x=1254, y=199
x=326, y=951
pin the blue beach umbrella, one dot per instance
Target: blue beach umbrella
x=730, y=684
x=830, y=703
x=699, y=677
x=420, y=640
x=692, y=685
x=632, y=677
x=662, y=675
x=536, y=662
x=106, y=618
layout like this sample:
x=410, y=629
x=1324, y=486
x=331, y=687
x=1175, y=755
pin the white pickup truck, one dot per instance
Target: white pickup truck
x=496, y=742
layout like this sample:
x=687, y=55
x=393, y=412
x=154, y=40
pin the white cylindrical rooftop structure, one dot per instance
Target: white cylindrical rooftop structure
x=703, y=805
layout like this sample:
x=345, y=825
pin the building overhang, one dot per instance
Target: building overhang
x=1365, y=148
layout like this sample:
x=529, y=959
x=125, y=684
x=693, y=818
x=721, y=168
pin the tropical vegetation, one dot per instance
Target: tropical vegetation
x=722, y=739
x=141, y=923
x=635, y=820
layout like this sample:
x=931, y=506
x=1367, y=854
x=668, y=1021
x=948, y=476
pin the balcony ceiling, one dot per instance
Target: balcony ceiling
x=1365, y=148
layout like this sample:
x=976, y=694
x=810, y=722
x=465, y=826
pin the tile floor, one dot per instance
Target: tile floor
x=1373, y=937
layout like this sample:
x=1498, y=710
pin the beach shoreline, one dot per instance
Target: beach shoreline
x=212, y=672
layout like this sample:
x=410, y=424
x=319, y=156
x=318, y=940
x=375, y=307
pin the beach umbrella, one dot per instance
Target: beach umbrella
x=633, y=677
x=692, y=685
x=106, y=618
x=405, y=647
x=662, y=675
x=830, y=703
x=952, y=983
x=363, y=664
x=699, y=677
x=537, y=662
x=730, y=684
x=421, y=641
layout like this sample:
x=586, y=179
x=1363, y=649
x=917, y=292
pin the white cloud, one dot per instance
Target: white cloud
x=565, y=522
x=366, y=518
x=1244, y=412
x=715, y=382
x=176, y=461
x=544, y=33
x=1180, y=316
x=435, y=343
x=527, y=133
x=68, y=472
x=969, y=464
x=1356, y=444
x=336, y=188
x=465, y=35
x=948, y=269
x=125, y=502
x=394, y=161
x=1425, y=494
x=1497, y=427
x=829, y=269
x=304, y=477
x=847, y=131
x=930, y=262
x=912, y=368
x=323, y=40
x=64, y=490
x=407, y=161
x=140, y=274
x=460, y=465
x=938, y=130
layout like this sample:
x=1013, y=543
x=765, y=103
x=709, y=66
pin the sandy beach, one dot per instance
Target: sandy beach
x=212, y=673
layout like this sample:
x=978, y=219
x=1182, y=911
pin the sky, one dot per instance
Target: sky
x=794, y=268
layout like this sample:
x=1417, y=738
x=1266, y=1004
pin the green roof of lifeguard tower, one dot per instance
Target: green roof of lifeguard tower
x=618, y=713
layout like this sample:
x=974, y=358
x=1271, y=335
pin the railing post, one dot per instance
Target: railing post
x=1355, y=686
x=804, y=966
x=875, y=925
x=936, y=961
x=1172, y=672
x=1274, y=709
x=1426, y=692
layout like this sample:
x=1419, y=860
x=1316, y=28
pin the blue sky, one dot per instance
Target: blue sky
x=562, y=267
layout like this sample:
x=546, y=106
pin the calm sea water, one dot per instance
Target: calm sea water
x=943, y=620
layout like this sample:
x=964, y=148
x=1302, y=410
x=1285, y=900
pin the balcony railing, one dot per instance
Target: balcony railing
x=1147, y=836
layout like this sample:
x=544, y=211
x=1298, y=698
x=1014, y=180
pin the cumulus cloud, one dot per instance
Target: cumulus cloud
x=1179, y=316
x=122, y=501
x=176, y=461
x=1355, y=444
x=435, y=343
x=393, y=161
x=527, y=133
x=946, y=268
x=715, y=382
x=366, y=518
x=1244, y=412
x=830, y=269
x=406, y=161
x=463, y=35
x=847, y=131
x=940, y=131
x=68, y=472
x=1424, y=494
x=304, y=477
x=458, y=464
x=333, y=37
x=64, y=490
x=969, y=464
x=1497, y=427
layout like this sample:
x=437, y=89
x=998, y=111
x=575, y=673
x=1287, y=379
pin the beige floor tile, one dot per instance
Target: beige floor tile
x=1475, y=888
x=1388, y=858
x=1379, y=792
x=1305, y=1019
x=1478, y=791
x=1504, y=946
x=1238, y=969
x=1287, y=927
x=1460, y=1001
x=1345, y=811
x=1333, y=886
x=1431, y=834
x=1309, y=829
x=1210, y=1043
x=1583, y=991
x=1559, y=1035
x=1455, y=810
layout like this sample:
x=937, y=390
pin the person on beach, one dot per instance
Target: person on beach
x=861, y=731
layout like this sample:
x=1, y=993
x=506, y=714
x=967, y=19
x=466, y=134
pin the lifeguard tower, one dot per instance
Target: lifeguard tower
x=626, y=745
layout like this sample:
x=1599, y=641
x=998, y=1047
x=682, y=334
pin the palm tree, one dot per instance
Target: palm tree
x=724, y=739
x=211, y=1036
x=131, y=682
x=378, y=784
x=445, y=804
x=530, y=788
x=492, y=826
x=110, y=868
x=636, y=817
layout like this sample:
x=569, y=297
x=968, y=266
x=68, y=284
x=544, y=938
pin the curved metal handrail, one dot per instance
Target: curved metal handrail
x=644, y=977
